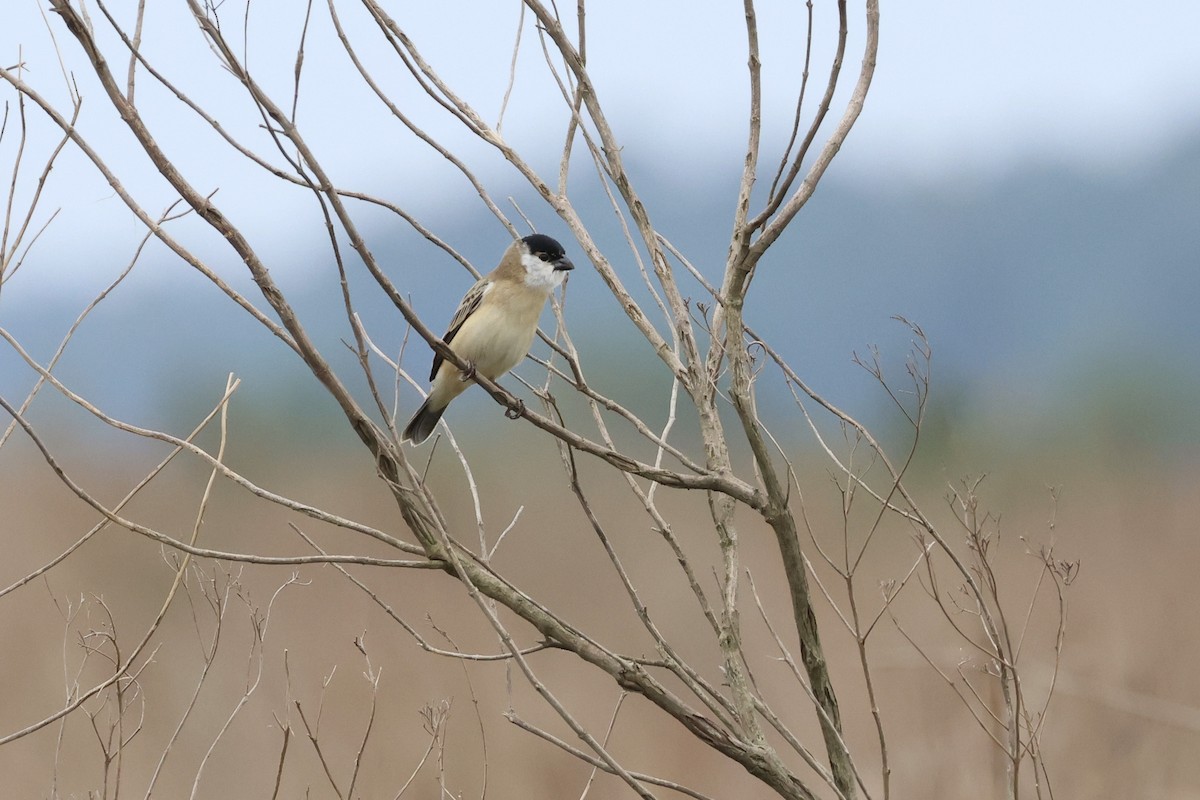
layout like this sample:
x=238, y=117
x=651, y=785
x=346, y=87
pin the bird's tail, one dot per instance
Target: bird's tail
x=422, y=423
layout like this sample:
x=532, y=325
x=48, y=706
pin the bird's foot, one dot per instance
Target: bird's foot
x=468, y=373
x=517, y=411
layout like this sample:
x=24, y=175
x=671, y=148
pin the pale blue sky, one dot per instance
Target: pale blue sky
x=978, y=83
x=966, y=90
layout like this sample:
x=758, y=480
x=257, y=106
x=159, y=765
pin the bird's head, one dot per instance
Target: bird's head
x=545, y=262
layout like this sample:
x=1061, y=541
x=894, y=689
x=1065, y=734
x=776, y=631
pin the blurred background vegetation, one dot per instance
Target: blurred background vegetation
x=1059, y=296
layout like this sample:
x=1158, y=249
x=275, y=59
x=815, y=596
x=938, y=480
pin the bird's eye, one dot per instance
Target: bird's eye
x=544, y=256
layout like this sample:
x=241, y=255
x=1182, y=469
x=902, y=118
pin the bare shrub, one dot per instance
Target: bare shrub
x=698, y=513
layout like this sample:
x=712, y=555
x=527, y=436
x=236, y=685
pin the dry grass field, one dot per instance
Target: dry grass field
x=296, y=644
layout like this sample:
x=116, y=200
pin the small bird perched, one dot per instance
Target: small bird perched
x=494, y=324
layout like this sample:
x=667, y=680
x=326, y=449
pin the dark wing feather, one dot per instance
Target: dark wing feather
x=466, y=308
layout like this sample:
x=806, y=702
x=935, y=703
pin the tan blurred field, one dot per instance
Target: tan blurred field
x=1124, y=719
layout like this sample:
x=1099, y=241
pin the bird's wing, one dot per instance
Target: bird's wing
x=466, y=308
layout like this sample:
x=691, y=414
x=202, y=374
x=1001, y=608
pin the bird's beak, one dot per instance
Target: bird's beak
x=563, y=264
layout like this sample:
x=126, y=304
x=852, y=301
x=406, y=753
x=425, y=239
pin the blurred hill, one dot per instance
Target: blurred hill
x=1048, y=293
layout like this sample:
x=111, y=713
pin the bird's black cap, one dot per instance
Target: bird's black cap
x=541, y=243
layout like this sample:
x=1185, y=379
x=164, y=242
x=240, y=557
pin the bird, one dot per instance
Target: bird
x=494, y=325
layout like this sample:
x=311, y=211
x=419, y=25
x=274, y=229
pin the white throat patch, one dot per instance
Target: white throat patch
x=541, y=274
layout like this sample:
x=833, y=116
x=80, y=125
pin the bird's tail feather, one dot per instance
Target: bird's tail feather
x=422, y=423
